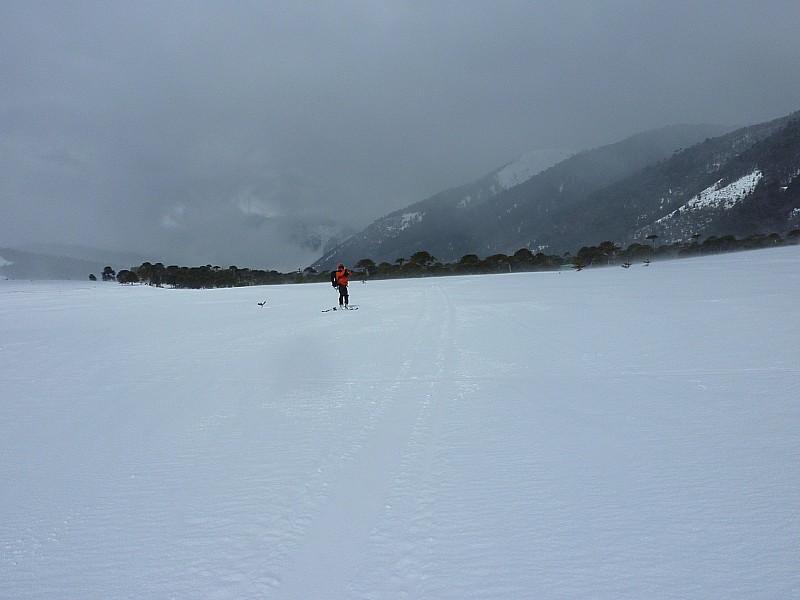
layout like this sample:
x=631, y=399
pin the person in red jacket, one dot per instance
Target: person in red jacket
x=339, y=280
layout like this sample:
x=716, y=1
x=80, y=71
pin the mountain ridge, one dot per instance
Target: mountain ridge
x=448, y=227
x=633, y=208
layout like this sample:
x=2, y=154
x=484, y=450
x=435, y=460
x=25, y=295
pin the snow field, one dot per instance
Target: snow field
x=613, y=433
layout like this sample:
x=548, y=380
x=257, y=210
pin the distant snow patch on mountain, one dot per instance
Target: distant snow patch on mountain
x=527, y=166
x=406, y=220
x=4, y=262
x=513, y=174
x=716, y=197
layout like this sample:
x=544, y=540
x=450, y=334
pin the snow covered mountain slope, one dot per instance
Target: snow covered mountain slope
x=613, y=433
x=693, y=216
x=448, y=206
x=527, y=166
x=742, y=183
x=513, y=174
x=510, y=208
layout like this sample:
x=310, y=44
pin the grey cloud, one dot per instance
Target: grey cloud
x=215, y=128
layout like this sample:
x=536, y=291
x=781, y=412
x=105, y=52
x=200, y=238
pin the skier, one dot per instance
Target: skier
x=339, y=280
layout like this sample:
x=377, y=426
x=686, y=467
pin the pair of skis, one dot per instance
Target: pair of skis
x=340, y=308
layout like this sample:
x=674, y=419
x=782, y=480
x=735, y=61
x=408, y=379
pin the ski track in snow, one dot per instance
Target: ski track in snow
x=607, y=434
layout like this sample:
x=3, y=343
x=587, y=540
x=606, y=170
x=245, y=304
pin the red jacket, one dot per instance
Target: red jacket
x=341, y=276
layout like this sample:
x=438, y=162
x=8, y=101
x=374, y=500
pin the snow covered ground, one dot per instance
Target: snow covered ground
x=613, y=433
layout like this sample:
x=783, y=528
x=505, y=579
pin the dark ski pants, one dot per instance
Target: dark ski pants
x=344, y=298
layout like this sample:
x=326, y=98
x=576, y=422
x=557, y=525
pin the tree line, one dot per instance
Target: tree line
x=203, y=277
x=423, y=264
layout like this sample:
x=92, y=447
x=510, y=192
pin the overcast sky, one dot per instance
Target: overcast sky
x=198, y=131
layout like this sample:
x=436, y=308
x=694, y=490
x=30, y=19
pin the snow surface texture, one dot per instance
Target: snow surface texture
x=613, y=433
